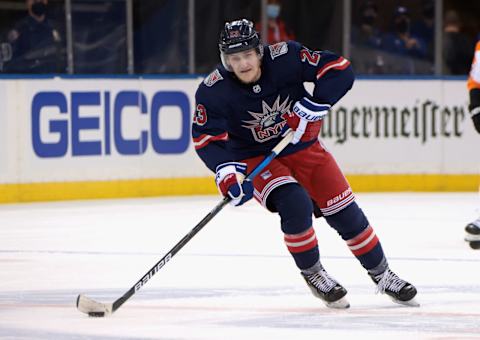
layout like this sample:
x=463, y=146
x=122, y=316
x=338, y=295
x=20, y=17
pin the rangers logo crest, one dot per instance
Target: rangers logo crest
x=213, y=78
x=269, y=123
x=278, y=49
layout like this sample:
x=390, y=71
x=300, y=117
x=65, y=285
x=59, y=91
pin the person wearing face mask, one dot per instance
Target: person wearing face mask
x=401, y=42
x=367, y=33
x=367, y=57
x=36, y=45
x=277, y=30
x=457, y=45
x=423, y=28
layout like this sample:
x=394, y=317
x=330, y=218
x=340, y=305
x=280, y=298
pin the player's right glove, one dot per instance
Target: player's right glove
x=305, y=119
x=229, y=178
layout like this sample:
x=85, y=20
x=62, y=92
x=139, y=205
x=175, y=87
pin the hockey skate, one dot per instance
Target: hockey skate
x=400, y=291
x=327, y=289
x=472, y=236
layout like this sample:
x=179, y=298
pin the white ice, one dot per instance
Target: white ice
x=235, y=278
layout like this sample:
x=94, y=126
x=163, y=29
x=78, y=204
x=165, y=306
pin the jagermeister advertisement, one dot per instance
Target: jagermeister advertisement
x=399, y=126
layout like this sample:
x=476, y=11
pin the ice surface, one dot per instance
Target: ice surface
x=235, y=279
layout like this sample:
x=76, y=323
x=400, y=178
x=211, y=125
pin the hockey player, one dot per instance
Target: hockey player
x=242, y=107
x=473, y=229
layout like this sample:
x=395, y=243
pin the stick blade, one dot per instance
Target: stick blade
x=92, y=307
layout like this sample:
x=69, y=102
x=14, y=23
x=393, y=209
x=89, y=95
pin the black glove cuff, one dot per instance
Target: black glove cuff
x=474, y=108
x=474, y=99
x=476, y=122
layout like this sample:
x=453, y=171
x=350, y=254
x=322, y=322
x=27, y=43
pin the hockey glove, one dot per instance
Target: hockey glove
x=476, y=118
x=229, y=178
x=475, y=108
x=305, y=119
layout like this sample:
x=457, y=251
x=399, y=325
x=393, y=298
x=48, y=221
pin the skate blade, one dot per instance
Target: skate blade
x=409, y=303
x=339, y=304
x=472, y=238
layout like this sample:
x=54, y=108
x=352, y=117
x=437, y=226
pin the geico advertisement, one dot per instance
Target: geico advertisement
x=125, y=123
x=103, y=129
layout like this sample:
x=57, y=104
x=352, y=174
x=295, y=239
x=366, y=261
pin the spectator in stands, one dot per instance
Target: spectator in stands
x=367, y=33
x=36, y=45
x=401, y=42
x=424, y=28
x=276, y=28
x=457, y=47
x=366, y=41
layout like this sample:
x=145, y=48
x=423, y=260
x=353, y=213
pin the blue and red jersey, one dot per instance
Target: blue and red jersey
x=235, y=121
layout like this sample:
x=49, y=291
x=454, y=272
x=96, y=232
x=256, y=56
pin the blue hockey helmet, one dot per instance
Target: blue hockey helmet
x=237, y=36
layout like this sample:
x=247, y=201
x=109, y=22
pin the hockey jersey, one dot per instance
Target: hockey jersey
x=473, y=85
x=474, y=76
x=235, y=121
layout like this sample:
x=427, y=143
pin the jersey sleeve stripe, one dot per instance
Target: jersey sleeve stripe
x=203, y=140
x=339, y=64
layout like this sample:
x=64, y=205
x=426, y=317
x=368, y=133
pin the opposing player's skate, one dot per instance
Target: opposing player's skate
x=400, y=291
x=327, y=289
x=472, y=234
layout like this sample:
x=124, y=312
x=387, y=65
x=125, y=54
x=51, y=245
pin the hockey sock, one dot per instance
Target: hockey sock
x=303, y=248
x=295, y=208
x=366, y=248
x=353, y=226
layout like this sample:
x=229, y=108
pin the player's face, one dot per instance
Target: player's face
x=245, y=65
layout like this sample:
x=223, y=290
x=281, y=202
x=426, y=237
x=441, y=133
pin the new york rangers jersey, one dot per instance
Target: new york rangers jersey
x=234, y=121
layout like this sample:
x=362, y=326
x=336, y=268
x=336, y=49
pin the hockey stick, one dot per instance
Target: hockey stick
x=98, y=309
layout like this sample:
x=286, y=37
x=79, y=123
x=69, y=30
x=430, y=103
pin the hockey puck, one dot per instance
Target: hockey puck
x=475, y=244
x=96, y=314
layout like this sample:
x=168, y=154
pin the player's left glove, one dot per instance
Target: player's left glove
x=229, y=178
x=305, y=119
x=475, y=108
x=476, y=118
